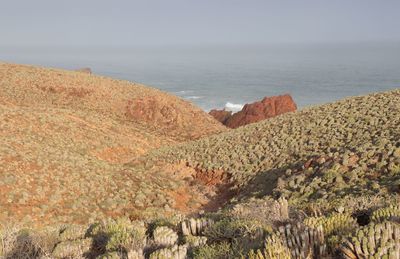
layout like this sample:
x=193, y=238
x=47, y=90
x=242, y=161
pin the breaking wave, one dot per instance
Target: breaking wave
x=235, y=107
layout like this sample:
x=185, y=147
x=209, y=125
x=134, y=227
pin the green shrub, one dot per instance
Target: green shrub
x=231, y=229
x=119, y=234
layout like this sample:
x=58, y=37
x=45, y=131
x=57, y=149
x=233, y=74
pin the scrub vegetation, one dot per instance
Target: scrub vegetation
x=98, y=168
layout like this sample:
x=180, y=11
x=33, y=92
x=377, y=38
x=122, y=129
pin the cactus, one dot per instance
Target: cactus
x=109, y=255
x=72, y=249
x=72, y=232
x=175, y=252
x=274, y=249
x=195, y=241
x=119, y=234
x=387, y=213
x=164, y=236
x=335, y=224
x=281, y=206
x=293, y=241
x=303, y=242
x=380, y=240
x=135, y=254
x=195, y=227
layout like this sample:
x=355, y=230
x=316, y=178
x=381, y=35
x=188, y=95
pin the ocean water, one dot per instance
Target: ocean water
x=229, y=76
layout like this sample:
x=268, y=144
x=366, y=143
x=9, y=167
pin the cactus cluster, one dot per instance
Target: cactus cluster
x=164, y=236
x=195, y=227
x=274, y=249
x=119, y=234
x=195, y=241
x=72, y=248
x=380, y=240
x=282, y=207
x=135, y=254
x=334, y=224
x=303, y=241
x=392, y=212
x=72, y=232
x=174, y=252
x=293, y=241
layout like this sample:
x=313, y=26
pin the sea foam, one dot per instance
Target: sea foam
x=235, y=107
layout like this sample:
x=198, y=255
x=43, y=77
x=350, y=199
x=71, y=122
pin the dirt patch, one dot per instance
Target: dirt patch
x=182, y=197
x=207, y=190
x=115, y=155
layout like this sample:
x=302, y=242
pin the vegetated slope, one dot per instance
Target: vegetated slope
x=127, y=102
x=65, y=138
x=327, y=155
x=338, y=165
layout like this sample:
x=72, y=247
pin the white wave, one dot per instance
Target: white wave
x=194, y=97
x=184, y=92
x=234, y=107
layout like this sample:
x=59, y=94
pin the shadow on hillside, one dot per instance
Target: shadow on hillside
x=224, y=194
x=263, y=183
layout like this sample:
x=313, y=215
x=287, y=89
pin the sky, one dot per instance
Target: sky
x=196, y=22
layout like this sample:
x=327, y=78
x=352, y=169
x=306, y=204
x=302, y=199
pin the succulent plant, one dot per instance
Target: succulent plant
x=380, y=240
x=135, y=254
x=195, y=241
x=119, y=234
x=72, y=249
x=164, y=236
x=109, y=255
x=392, y=212
x=175, y=252
x=334, y=224
x=303, y=241
x=195, y=227
x=281, y=206
x=293, y=241
x=274, y=249
x=73, y=232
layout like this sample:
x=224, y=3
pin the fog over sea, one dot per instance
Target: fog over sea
x=229, y=76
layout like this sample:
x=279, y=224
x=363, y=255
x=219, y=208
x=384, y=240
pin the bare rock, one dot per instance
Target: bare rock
x=221, y=115
x=266, y=108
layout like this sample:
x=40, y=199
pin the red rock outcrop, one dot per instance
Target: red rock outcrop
x=266, y=108
x=221, y=115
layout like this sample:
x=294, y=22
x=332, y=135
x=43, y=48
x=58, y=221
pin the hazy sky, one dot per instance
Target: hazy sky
x=166, y=22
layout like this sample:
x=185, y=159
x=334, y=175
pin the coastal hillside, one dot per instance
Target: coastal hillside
x=65, y=138
x=350, y=148
x=128, y=103
x=92, y=167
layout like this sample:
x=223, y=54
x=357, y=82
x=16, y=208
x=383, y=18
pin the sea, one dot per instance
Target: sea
x=228, y=76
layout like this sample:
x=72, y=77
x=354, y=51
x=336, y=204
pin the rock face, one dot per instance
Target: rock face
x=266, y=108
x=221, y=115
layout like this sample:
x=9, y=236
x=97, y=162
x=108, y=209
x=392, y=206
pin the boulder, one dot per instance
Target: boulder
x=221, y=115
x=266, y=108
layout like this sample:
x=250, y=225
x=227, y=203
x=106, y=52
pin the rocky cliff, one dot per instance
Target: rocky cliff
x=266, y=108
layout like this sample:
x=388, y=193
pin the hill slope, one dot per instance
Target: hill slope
x=126, y=102
x=65, y=138
x=323, y=182
x=347, y=148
